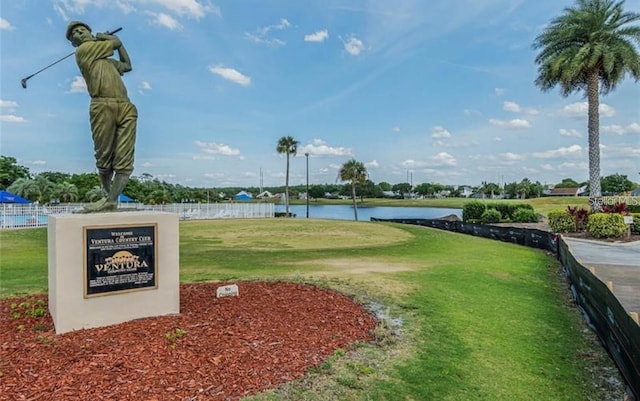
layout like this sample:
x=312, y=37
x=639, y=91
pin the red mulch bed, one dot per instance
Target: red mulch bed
x=234, y=346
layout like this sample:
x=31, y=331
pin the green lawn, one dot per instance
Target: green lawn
x=480, y=319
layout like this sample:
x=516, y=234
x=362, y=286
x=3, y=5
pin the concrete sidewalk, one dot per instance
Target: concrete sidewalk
x=618, y=263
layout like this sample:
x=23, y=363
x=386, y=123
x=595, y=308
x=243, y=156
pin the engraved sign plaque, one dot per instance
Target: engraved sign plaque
x=119, y=258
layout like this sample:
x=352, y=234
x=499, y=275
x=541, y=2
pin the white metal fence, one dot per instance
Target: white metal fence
x=32, y=215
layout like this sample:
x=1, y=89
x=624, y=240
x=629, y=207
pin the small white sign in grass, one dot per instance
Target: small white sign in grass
x=228, y=291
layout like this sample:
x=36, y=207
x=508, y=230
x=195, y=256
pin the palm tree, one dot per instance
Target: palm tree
x=355, y=172
x=66, y=192
x=590, y=48
x=288, y=146
x=26, y=188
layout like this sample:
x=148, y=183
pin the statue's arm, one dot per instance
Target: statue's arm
x=125, y=61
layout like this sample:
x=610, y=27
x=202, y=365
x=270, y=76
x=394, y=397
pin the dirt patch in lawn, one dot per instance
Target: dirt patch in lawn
x=215, y=349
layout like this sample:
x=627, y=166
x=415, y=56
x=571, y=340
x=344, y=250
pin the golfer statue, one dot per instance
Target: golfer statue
x=112, y=116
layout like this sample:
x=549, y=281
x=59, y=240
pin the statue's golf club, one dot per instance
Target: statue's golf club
x=23, y=81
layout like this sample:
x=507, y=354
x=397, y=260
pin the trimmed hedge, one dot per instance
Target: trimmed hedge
x=490, y=216
x=561, y=221
x=606, y=225
x=524, y=215
x=473, y=210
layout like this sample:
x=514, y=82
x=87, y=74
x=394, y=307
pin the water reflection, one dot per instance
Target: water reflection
x=345, y=212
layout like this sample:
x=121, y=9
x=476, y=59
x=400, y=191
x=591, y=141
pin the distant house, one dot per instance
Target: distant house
x=264, y=195
x=465, y=191
x=566, y=191
x=635, y=192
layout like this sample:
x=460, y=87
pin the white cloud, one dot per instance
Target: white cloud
x=560, y=152
x=373, y=164
x=212, y=148
x=499, y=91
x=262, y=35
x=318, y=147
x=144, y=87
x=572, y=133
x=441, y=159
x=10, y=104
x=439, y=132
x=78, y=85
x=515, y=123
x=515, y=108
x=166, y=21
x=580, y=110
x=633, y=128
x=318, y=36
x=395, y=129
x=512, y=157
x=10, y=118
x=5, y=25
x=190, y=8
x=471, y=112
x=232, y=75
x=353, y=46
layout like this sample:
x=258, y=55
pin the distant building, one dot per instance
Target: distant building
x=566, y=191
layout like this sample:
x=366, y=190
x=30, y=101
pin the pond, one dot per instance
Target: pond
x=345, y=212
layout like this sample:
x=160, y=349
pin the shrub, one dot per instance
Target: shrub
x=490, y=216
x=524, y=215
x=606, y=225
x=561, y=221
x=635, y=228
x=473, y=210
x=580, y=216
x=508, y=210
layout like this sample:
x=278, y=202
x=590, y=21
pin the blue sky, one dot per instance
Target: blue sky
x=422, y=91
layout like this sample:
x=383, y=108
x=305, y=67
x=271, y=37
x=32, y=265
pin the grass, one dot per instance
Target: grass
x=480, y=320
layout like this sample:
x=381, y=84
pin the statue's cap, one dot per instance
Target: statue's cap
x=74, y=24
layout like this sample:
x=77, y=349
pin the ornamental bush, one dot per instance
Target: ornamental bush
x=606, y=225
x=473, y=211
x=524, y=215
x=561, y=221
x=490, y=216
x=635, y=228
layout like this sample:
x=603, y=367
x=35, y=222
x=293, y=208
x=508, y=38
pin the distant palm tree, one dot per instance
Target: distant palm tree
x=66, y=192
x=45, y=186
x=590, y=48
x=355, y=172
x=26, y=188
x=288, y=146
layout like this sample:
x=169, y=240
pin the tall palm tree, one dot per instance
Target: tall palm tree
x=288, y=146
x=355, y=172
x=589, y=48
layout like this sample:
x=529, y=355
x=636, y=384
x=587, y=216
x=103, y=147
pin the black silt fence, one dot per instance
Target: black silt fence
x=522, y=236
x=618, y=332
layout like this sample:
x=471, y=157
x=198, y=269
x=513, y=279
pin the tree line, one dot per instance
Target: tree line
x=53, y=187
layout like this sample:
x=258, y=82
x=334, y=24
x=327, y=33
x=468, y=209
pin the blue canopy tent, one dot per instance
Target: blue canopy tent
x=242, y=196
x=122, y=198
x=8, y=197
